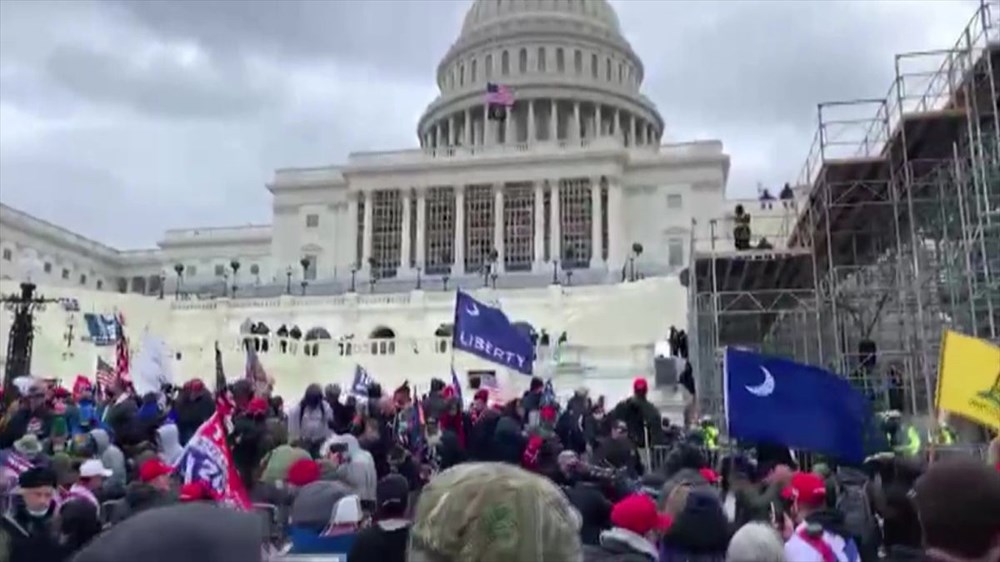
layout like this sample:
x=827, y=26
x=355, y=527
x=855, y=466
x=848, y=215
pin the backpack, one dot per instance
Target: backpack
x=859, y=519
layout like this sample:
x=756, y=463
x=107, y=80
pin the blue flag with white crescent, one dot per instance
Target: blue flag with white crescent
x=774, y=400
x=486, y=332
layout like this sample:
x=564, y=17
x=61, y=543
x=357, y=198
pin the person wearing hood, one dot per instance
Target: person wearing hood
x=576, y=427
x=152, y=489
x=192, y=532
x=168, y=443
x=636, y=524
x=508, y=441
x=820, y=534
x=355, y=466
x=113, y=458
x=700, y=531
x=247, y=440
x=309, y=421
x=385, y=541
x=326, y=517
x=342, y=413
x=27, y=528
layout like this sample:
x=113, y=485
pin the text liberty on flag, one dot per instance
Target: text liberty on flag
x=486, y=332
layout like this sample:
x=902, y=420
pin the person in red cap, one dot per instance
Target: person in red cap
x=641, y=417
x=819, y=535
x=151, y=489
x=636, y=527
x=198, y=491
x=302, y=473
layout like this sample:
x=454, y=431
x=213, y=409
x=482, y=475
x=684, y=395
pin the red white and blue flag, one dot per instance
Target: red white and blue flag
x=206, y=458
x=498, y=94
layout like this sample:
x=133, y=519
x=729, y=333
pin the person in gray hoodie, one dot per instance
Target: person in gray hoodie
x=310, y=421
x=113, y=458
x=168, y=439
x=355, y=466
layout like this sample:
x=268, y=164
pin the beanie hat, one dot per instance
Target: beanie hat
x=303, y=472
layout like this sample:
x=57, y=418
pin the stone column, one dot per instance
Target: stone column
x=554, y=121
x=539, y=236
x=498, y=226
x=405, y=242
x=596, y=258
x=437, y=136
x=617, y=133
x=468, y=127
x=576, y=129
x=421, y=227
x=532, y=132
x=352, y=221
x=598, y=132
x=508, y=127
x=616, y=226
x=555, y=239
x=487, y=126
x=451, y=131
x=366, y=241
x=458, y=265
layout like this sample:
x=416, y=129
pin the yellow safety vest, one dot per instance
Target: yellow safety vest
x=712, y=437
x=911, y=443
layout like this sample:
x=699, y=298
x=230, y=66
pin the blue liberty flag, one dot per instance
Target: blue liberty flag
x=486, y=332
x=774, y=400
x=362, y=380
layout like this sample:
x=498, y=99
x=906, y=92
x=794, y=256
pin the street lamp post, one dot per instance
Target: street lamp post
x=444, y=282
x=163, y=280
x=636, y=252
x=288, y=280
x=304, y=262
x=235, y=266
x=354, y=275
x=418, y=277
x=22, y=334
x=179, y=269
x=555, y=272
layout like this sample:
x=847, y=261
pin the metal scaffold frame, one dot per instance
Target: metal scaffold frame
x=897, y=237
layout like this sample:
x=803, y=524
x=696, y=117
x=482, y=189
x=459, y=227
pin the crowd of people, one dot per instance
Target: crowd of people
x=103, y=475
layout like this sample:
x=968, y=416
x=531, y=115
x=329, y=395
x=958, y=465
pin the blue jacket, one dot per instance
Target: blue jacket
x=307, y=541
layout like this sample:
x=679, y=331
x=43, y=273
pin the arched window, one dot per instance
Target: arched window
x=384, y=341
x=451, y=79
x=578, y=62
x=621, y=72
x=505, y=63
x=473, y=73
x=594, y=65
x=522, y=61
x=461, y=75
x=488, y=67
x=541, y=59
x=607, y=70
x=560, y=60
x=443, y=335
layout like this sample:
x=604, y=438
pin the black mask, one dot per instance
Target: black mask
x=313, y=400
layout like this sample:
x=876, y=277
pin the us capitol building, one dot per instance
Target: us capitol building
x=545, y=213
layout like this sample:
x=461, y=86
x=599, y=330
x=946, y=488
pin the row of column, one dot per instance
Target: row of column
x=616, y=239
x=587, y=122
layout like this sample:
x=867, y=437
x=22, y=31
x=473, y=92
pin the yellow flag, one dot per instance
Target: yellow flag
x=969, y=379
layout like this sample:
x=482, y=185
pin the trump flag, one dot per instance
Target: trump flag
x=206, y=458
x=774, y=400
x=486, y=332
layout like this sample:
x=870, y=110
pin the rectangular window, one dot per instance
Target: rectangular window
x=519, y=226
x=439, y=242
x=7, y=254
x=100, y=285
x=675, y=252
x=575, y=216
x=65, y=273
x=312, y=221
x=190, y=271
x=220, y=270
x=83, y=279
x=479, y=210
x=675, y=201
x=387, y=232
x=47, y=267
x=541, y=59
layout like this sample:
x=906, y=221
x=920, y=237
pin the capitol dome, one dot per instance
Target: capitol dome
x=488, y=12
x=572, y=73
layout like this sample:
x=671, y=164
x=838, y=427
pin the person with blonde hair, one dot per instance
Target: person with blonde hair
x=756, y=542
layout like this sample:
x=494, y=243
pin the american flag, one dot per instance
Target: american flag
x=121, y=353
x=489, y=382
x=105, y=374
x=498, y=94
x=457, y=386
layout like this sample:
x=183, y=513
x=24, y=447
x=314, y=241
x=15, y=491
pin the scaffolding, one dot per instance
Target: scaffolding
x=897, y=235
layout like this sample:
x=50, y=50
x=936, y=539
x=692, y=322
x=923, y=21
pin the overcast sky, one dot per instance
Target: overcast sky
x=122, y=119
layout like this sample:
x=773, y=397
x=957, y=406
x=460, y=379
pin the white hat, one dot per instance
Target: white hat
x=92, y=468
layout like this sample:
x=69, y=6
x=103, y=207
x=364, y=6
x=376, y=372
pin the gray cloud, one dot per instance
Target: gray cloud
x=122, y=119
